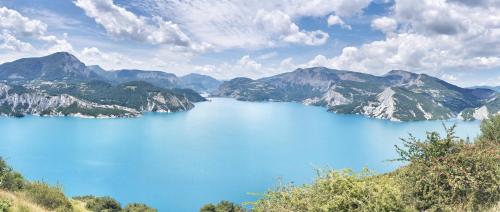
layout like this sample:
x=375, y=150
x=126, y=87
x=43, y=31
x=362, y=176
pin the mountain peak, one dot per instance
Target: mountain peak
x=400, y=73
x=59, y=55
x=57, y=66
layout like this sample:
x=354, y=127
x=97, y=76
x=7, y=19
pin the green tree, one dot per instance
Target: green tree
x=99, y=204
x=490, y=130
x=138, y=207
x=223, y=206
x=9, y=179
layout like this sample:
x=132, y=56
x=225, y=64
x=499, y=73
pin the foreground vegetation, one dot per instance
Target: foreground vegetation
x=443, y=173
x=19, y=194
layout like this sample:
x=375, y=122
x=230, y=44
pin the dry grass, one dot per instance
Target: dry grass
x=78, y=206
x=22, y=204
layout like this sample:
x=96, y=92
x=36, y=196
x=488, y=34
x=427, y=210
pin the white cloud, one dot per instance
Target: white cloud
x=120, y=22
x=449, y=77
x=23, y=36
x=279, y=24
x=320, y=8
x=20, y=25
x=267, y=55
x=433, y=36
x=9, y=42
x=107, y=60
x=336, y=20
x=246, y=66
x=230, y=24
x=287, y=64
x=247, y=63
x=385, y=24
x=437, y=17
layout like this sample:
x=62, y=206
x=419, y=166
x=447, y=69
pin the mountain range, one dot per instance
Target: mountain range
x=65, y=67
x=398, y=95
x=60, y=84
x=495, y=88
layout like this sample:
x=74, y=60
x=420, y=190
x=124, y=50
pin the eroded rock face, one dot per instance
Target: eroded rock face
x=18, y=101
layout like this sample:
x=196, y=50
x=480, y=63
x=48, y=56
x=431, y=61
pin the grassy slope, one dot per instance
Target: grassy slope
x=19, y=202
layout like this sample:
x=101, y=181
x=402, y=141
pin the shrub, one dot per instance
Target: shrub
x=138, y=207
x=336, y=191
x=47, y=196
x=223, y=206
x=449, y=173
x=5, y=204
x=490, y=130
x=99, y=204
x=10, y=180
x=13, y=181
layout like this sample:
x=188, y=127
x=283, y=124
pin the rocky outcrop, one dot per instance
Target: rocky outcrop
x=19, y=101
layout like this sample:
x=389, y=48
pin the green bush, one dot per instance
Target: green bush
x=490, y=131
x=99, y=204
x=223, y=206
x=336, y=191
x=13, y=181
x=10, y=180
x=449, y=173
x=138, y=207
x=5, y=204
x=47, y=196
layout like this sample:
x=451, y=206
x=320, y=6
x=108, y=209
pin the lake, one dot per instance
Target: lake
x=220, y=150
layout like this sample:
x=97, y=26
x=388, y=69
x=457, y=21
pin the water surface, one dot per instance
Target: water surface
x=222, y=149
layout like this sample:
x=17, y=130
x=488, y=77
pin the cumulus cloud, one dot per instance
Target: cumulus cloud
x=428, y=36
x=20, y=25
x=246, y=66
x=230, y=24
x=108, y=60
x=120, y=22
x=18, y=31
x=279, y=24
x=336, y=20
x=385, y=24
x=438, y=17
x=9, y=42
x=320, y=8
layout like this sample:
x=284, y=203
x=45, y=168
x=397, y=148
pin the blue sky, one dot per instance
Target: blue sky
x=456, y=40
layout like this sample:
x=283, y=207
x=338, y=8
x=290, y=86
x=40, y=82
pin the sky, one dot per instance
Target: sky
x=455, y=40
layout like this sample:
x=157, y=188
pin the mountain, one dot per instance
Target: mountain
x=157, y=78
x=64, y=67
x=59, y=84
x=200, y=83
x=495, y=88
x=92, y=99
x=397, y=95
x=59, y=66
x=197, y=82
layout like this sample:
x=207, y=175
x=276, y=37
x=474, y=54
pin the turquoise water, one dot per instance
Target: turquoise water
x=222, y=149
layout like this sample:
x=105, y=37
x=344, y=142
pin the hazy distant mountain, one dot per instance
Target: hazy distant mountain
x=59, y=84
x=200, y=83
x=495, y=88
x=398, y=95
x=197, y=82
x=158, y=78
